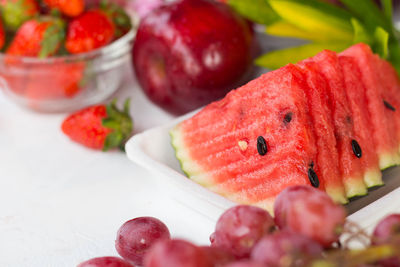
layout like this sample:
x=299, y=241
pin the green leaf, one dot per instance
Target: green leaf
x=283, y=28
x=394, y=55
x=361, y=35
x=317, y=17
x=381, y=44
x=387, y=6
x=113, y=139
x=258, y=11
x=280, y=58
x=368, y=13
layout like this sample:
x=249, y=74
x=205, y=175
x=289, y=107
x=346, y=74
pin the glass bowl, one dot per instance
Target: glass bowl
x=66, y=83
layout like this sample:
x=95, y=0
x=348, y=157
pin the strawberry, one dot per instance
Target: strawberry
x=99, y=127
x=70, y=8
x=93, y=29
x=16, y=12
x=2, y=35
x=122, y=21
x=41, y=37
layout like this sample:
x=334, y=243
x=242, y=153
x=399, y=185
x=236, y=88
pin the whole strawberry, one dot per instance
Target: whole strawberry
x=39, y=37
x=16, y=12
x=121, y=20
x=91, y=30
x=70, y=8
x=100, y=127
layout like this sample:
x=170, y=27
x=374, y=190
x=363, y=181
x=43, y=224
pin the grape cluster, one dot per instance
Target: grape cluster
x=304, y=232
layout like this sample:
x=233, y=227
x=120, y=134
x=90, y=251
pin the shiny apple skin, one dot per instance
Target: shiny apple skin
x=192, y=52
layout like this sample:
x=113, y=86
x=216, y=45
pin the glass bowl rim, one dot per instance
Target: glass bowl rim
x=122, y=41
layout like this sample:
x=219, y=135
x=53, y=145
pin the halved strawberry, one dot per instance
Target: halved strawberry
x=100, y=126
x=41, y=37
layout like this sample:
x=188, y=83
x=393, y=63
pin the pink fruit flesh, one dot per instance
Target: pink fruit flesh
x=136, y=236
x=183, y=62
x=310, y=212
x=239, y=229
x=105, y=262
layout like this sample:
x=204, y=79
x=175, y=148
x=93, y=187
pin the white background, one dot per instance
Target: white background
x=61, y=203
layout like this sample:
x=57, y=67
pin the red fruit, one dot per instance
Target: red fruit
x=245, y=263
x=105, y=262
x=388, y=228
x=99, y=127
x=191, y=52
x=176, y=253
x=40, y=37
x=217, y=256
x=311, y=212
x=91, y=30
x=239, y=229
x=121, y=20
x=2, y=35
x=71, y=8
x=135, y=238
x=16, y=12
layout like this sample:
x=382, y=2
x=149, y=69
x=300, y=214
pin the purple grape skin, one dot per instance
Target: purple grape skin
x=105, y=262
x=311, y=212
x=239, y=228
x=294, y=248
x=176, y=253
x=245, y=263
x=136, y=236
x=217, y=256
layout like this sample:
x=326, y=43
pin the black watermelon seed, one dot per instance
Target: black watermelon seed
x=261, y=146
x=356, y=148
x=313, y=177
x=388, y=105
x=288, y=117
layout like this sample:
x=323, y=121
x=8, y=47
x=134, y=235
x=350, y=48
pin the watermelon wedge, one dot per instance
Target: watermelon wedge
x=350, y=167
x=361, y=121
x=253, y=143
x=327, y=164
x=383, y=130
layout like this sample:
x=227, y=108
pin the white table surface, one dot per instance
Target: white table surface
x=61, y=203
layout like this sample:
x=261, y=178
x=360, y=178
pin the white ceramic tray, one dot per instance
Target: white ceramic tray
x=152, y=150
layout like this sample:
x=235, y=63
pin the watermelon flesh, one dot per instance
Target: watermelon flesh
x=273, y=106
x=296, y=125
x=362, y=133
x=383, y=130
x=327, y=164
x=350, y=167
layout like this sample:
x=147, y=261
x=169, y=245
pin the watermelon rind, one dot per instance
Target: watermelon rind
x=373, y=178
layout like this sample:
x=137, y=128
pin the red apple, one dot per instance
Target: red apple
x=191, y=52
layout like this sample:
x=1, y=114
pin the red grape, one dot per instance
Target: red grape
x=294, y=249
x=217, y=256
x=310, y=212
x=386, y=229
x=136, y=236
x=176, y=253
x=239, y=229
x=105, y=262
x=245, y=263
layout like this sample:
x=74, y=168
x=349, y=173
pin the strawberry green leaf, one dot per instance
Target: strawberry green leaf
x=279, y=58
x=360, y=33
x=53, y=37
x=315, y=16
x=120, y=122
x=387, y=6
x=381, y=44
x=258, y=11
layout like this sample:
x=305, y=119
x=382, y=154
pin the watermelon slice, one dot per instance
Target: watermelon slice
x=361, y=120
x=253, y=143
x=383, y=129
x=349, y=164
x=327, y=164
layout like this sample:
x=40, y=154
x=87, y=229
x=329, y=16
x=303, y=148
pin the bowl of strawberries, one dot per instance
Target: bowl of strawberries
x=60, y=55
